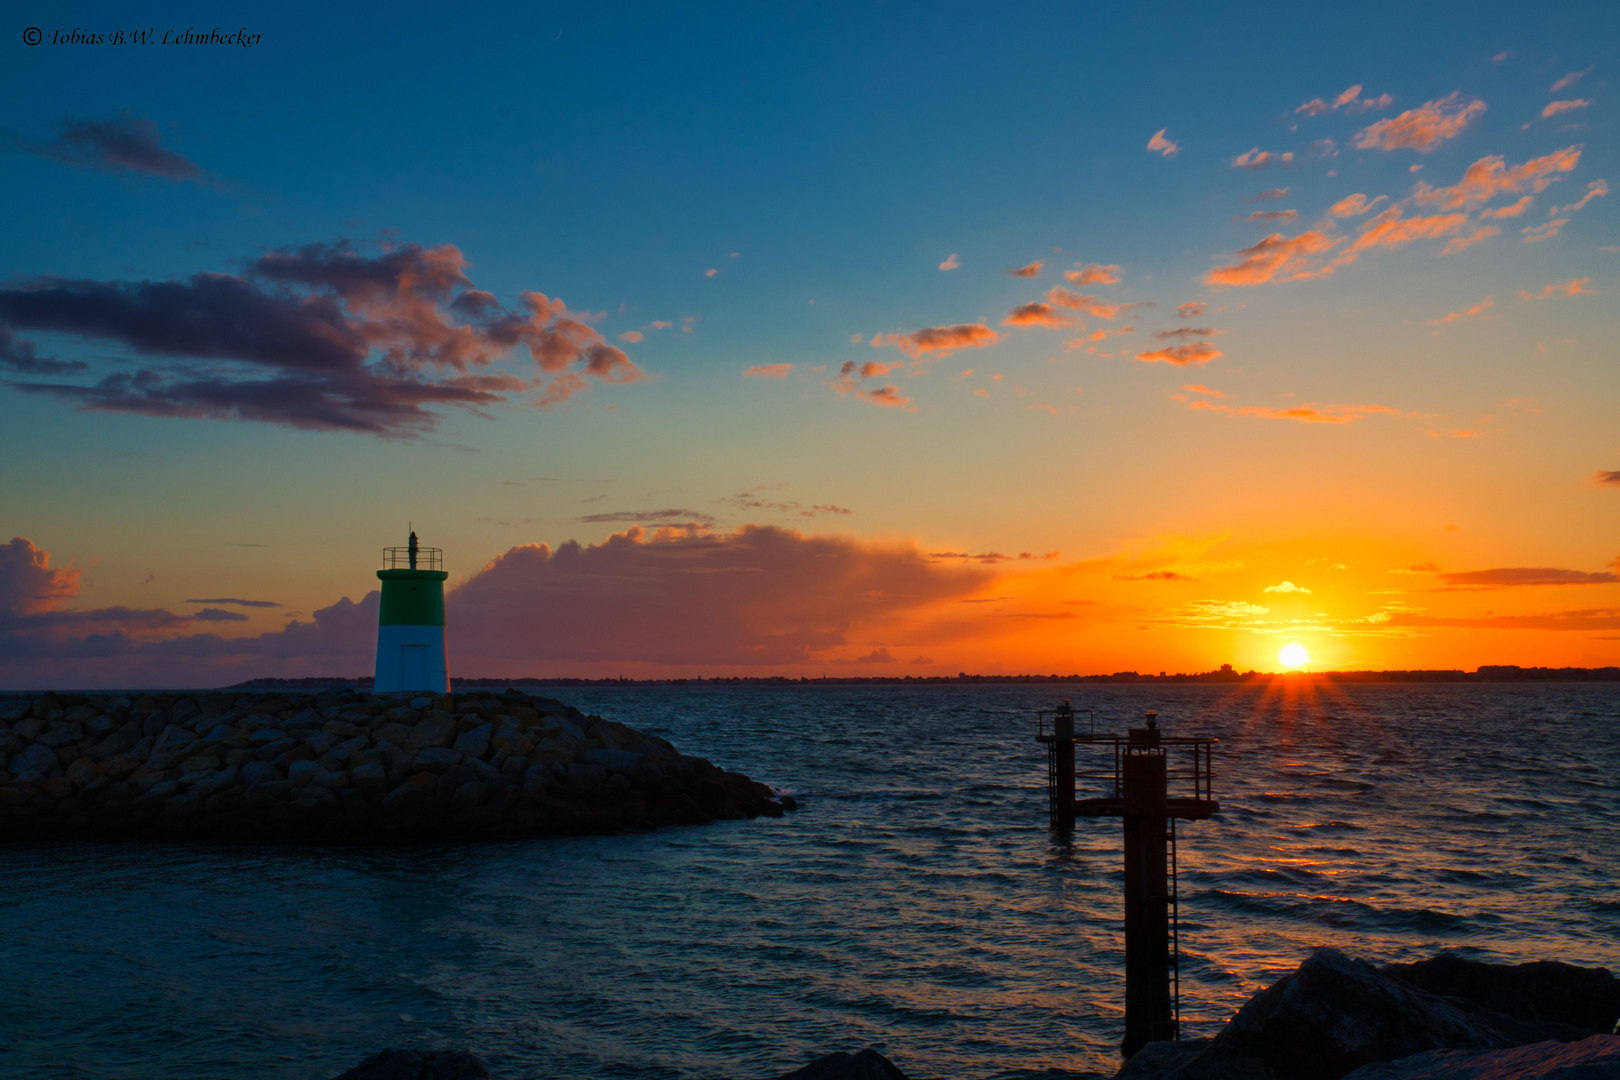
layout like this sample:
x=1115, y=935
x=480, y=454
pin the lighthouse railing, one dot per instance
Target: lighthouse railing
x=399, y=558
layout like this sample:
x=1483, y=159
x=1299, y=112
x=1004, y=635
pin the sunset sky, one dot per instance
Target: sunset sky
x=742, y=339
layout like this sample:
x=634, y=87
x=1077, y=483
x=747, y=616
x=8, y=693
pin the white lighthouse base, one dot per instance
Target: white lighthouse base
x=411, y=658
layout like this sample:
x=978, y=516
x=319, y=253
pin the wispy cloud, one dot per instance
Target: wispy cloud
x=1457, y=316
x=1269, y=216
x=1423, y=128
x=1276, y=258
x=951, y=262
x=1257, y=159
x=1490, y=176
x=1572, y=287
x=1269, y=193
x=1185, y=332
x=1354, y=205
x=1036, y=314
x=1535, y=233
x=1087, y=304
x=1287, y=587
x=1459, y=243
x=127, y=144
x=1305, y=414
x=1191, y=309
x=1030, y=271
x=234, y=602
x=1093, y=274
x=940, y=339
x=1509, y=577
x=1198, y=352
x=1596, y=189
x=1162, y=145
x=1553, y=108
x=1350, y=99
x=1567, y=81
x=768, y=371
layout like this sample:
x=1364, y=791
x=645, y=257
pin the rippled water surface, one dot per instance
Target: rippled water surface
x=917, y=903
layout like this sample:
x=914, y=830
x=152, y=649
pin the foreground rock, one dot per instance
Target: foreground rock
x=866, y=1065
x=1596, y=1057
x=344, y=764
x=1335, y=1015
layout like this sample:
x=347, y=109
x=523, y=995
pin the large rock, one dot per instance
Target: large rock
x=866, y=1065
x=1596, y=1057
x=1330, y=1016
x=1585, y=1000
x=418, y=1065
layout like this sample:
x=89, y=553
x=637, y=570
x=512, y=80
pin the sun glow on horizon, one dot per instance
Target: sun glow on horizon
x=1293, y=655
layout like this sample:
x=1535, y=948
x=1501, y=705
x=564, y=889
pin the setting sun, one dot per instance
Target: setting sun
x=1293, y=655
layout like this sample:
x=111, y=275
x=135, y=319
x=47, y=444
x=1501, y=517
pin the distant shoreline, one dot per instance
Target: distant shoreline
x=1494, y=673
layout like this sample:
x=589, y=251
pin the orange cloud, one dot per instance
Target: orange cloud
x=1458, y=243
x=1422, y=128
x=1511, y=210
x=1305, y=414
x=1572, y=287
x=877, y=368
x=1257, y=159
x=951, y=262
x=632, y=336
x=1536, y=233
x=1590, y=619
x=1185, y=332
x=769, y=371
x=1276, y=258
x=1030, y=271
x=1354, y=205
x=1521, y=575
x=1191, y=309
x=1389, y=230
x=1089, y=305
x=1093, y=275
x=1348, y=99
x=1163, y=145
x=1489, y=177
x=1036, y=314
x=1269, y=216
x=1200, y=388
x=1594, y=190
x=888, y=396
x=1567, y=81
x=1555, y=107
x=1601, y=477
x=711, y=272
x=1198, y=352
x=1457, y=316
x=939, y=339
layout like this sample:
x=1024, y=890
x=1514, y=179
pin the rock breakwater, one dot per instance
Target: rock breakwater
x=344, y=765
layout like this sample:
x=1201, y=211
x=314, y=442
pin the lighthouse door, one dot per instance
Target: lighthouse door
x=413, y=667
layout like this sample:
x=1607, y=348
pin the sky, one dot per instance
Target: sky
x=802, y=340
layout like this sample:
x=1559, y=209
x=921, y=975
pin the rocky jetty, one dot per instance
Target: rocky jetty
x=1339, y=1017
x=344, y=764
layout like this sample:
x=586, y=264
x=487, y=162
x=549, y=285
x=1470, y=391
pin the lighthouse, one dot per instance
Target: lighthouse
x=410, y=621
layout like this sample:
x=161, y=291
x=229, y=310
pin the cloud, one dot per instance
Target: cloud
x=1093, y=274
x=1422, y=128
x=1257, y=159
x=1490, y=176
x=951, y=262
x=1354, y=205
x=750, y=500
x=1269, y=216
x=21, y=356
x=1567, y=81
x=1198, y=352
x=1163, y=145
x=321, y=337
x=1185, y=332
x=660, y=324
x=1200, y=388
x=1287, y=587
x=28, y=583
x=759, y=595
x=1572, y=287
x=711, y=272
x=1511, y=210
x=1389, y=229
x=940, y=339
x=632, y=336
x=1030, y=271
x=1553, y=108
x=128, y=144
x=637, y=517
x=1611, y=478
x=768, y=371
x=1269, y=193
x=1596, y=189
x=1519, y=575
x=887, y=395
x=1305, y=414
x=1457, y=316
x=1089, y=305
x=1536, y=233
x=1276, y=258
x=1191, y=309
x=1578, y=621
x=1036, y=314
x=1346, y=100
x=1157, y=575
x=1458, y=243
x=994, y=557
x=237, y=603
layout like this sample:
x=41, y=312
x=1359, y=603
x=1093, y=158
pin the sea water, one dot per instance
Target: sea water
x=917, y=903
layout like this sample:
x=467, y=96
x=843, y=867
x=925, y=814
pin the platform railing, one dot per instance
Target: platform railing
x=403, y=558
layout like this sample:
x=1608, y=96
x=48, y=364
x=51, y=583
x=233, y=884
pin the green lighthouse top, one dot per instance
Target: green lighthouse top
x=412, y=593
